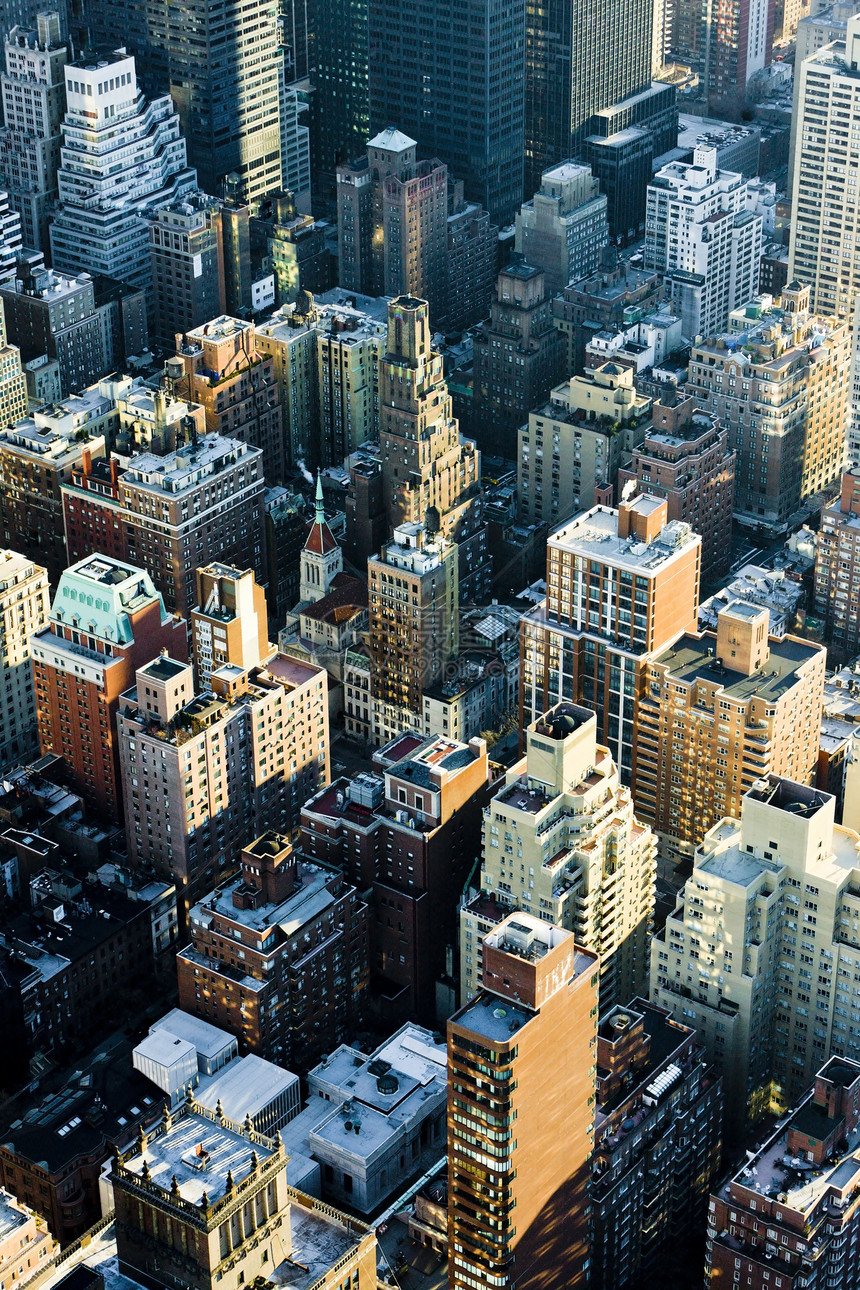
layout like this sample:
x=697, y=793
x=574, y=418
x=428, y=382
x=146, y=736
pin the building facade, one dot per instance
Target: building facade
x=172, y=514
x=24, y=605
x=836, y=569
x=621, y=586
x=473, y=72
x=710, y=254
x=685, y=457
x=561, y=842
x=523, y=1052
x=300, y=931
x=34, y=102
x=760, y=953
x=242, y=755
x=563, y=229
x=779, y=382
x=106, y=620
x=828, y=108
x=719, y=711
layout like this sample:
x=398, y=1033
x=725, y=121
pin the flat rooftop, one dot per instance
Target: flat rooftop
x=200, y=1153
x=319, y=1240
x=163, y=668
x=594, y=535
x=11, y=1216
x=207, y=1039
x=692, y=658
x=493, y=1018
x=735, y=866
x=309, y=897
x=244, y=1086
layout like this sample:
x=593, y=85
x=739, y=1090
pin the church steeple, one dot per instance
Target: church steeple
x=321, y=558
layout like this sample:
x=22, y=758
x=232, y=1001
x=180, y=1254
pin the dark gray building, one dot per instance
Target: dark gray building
x=222, y=64
x=451, y=75
x=339, y=116
x=52, y=313
x=581, y=56
x=519, y=357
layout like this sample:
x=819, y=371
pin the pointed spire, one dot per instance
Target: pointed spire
x=319, y=513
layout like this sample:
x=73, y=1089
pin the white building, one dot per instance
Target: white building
x=121, y=156
x=762, y=952
x=823, y=252
x=702, y=229
x=24, y=604
x=34, y=100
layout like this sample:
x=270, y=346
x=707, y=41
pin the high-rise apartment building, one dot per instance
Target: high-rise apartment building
x=237, y=387
x=425, y=465
x=106, y=620
x=563, y=228
x=761, y=953
x=301, y=929
x=239, y=757
x=821, y=251
x=657, y=1142
x=521, y=1083
x=187, y=263
x=791, y=1212
x=718, y=711
x=578, y=441
x=413, y=629
x=837, y=570
x=561, y=842
x=814, y=30
x=685, y=457
x=727, y=45
x=172, y=514
x=621, y=586
x=231, y=1217
x=701, y=232
x=467, y=105
x=34, y=101
x=35, y=461
x=121, y=157
x=393, y=223
x=779, y=381
x=229, y=621
x=348, y=349
x=11, y=242
x=24, y=604
x=519, y=357
x=580, y=58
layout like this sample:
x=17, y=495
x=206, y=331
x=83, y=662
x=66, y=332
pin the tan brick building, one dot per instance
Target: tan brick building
x=720, y=710
x=521, y=1093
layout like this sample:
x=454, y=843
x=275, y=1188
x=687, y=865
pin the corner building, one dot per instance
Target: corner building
x=521, y=1080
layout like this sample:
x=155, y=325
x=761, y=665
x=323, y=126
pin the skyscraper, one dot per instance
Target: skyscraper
x=580, y=57
x=121, y=156
x=452, y=76
x=521, y=1088
x=226, y=89
x=24, y=602
x=34, y=100
x=340, y=110
x=822, y=253
x=425, y=466
x=563, y=228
